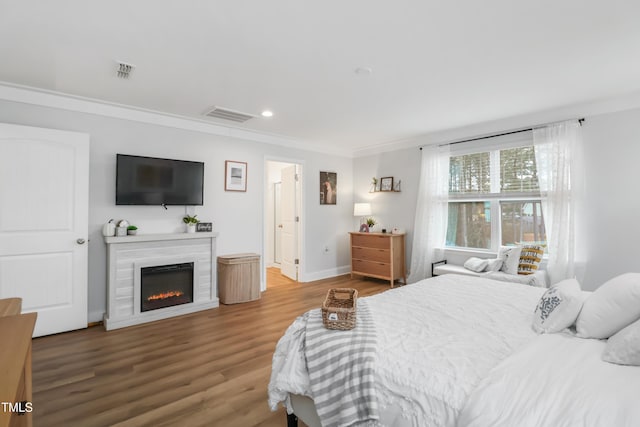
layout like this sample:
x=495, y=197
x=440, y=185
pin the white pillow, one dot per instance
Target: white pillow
x=611, y=307
x=510, y=256
x=559, y=307
x=493, y=265
x=476, y=264
x=624, y=347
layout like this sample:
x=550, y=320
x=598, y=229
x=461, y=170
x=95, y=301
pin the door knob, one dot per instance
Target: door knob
x=279, y=225
x=80, y=241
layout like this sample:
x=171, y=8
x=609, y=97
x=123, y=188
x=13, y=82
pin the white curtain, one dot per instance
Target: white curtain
x=430, y=228
x=559, y=160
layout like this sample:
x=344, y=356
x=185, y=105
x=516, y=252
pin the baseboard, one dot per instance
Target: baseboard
x=95, y=317
x=325, y=274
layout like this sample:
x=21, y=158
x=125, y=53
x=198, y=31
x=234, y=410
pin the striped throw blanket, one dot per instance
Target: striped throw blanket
x=341, y=370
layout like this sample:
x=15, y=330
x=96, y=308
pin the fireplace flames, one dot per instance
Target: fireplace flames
x=165, y=295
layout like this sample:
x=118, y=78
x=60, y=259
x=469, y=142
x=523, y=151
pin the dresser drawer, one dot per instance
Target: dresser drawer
x=370, y=254
x=370, y=241
x=381, y=269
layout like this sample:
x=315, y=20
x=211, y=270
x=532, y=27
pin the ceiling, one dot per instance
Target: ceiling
x=435, y=64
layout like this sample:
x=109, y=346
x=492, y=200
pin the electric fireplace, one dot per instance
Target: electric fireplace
x=165, y=286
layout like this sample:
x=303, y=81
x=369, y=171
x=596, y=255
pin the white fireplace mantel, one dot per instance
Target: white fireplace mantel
x=127, y=254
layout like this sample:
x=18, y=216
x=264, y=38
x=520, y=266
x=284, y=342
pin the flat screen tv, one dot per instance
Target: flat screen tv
x=153, y=181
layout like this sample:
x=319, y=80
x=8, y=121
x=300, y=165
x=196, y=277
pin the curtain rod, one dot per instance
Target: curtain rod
x=501, y=134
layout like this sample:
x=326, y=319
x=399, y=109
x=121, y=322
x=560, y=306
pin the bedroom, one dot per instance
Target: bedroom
x=610, y=133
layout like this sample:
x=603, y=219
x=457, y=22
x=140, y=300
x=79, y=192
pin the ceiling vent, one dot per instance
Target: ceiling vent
x=226, y=114
x=124, y=69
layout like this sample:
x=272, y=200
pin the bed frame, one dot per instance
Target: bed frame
x=304, y=409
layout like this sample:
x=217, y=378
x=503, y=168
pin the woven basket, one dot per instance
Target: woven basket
x=339, y=309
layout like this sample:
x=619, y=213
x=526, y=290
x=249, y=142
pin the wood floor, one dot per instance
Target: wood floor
x=205, y=369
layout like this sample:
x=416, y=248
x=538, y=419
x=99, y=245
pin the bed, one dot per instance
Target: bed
x=459, y=350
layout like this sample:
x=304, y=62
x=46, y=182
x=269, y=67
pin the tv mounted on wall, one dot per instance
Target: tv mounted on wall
x=153, y=181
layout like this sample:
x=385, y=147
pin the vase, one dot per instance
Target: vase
x=191, y=228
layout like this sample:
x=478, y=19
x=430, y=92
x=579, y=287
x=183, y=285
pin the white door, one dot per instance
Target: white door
x=277, y=223
x=289, y=220
x=44, y=190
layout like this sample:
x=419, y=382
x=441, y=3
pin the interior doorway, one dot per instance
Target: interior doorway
x=283, y=221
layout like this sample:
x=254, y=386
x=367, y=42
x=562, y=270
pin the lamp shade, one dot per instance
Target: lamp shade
x=361, y=209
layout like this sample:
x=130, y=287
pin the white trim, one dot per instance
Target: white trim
x=164, y=313
x=63, y=101
x=585, y=109
x=300, y=168
x=325, y=274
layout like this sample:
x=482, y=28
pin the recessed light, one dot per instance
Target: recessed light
x=267, y=113
x=364, y=71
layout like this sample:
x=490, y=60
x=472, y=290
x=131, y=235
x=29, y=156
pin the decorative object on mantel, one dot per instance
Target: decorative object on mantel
x=386, y=185
x=204, y=226
x=121, y=229
x=109, y=229
x=328, y=188
x=132, y=230
x=362, y=210
x=191, y=222
x=235, y=176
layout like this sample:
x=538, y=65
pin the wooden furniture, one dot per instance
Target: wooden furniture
x=15, y=363
x=379, y=255
x=10, y=306
x=238, y=278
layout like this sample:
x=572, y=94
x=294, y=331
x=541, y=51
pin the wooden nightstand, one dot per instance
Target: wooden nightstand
x=379, y=255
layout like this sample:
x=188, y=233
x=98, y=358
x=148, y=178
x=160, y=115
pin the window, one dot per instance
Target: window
x=494, y=199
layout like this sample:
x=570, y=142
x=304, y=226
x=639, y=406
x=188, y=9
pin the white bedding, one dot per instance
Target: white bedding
x=437, y=339
x=556, y=380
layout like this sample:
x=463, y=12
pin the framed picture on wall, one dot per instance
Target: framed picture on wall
x=386, y=183
x=328, y=188
x=235, y=178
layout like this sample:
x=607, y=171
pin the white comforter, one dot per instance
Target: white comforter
x=437, y=339
x=556, y=380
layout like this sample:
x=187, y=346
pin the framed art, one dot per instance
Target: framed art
x=386, y=183
x=328, y=188
x=235, y=176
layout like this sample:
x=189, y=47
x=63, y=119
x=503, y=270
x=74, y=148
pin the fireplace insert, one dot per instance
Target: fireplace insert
x=165, y=286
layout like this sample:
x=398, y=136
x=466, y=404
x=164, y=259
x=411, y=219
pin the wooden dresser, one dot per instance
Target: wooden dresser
x=15, y=362
x=379, y=255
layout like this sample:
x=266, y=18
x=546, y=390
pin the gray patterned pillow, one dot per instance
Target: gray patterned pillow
x=559, y=307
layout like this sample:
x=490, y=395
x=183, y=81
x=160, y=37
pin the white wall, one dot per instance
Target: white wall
x=389, y=209
x=238, y=217
x=612, y=150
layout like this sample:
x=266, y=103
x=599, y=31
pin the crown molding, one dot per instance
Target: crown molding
x=608, y=105
x=52, y=99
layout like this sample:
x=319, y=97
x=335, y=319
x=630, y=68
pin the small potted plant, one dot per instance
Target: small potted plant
x=371, y=222
x=191, y=222
x=132, y=230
